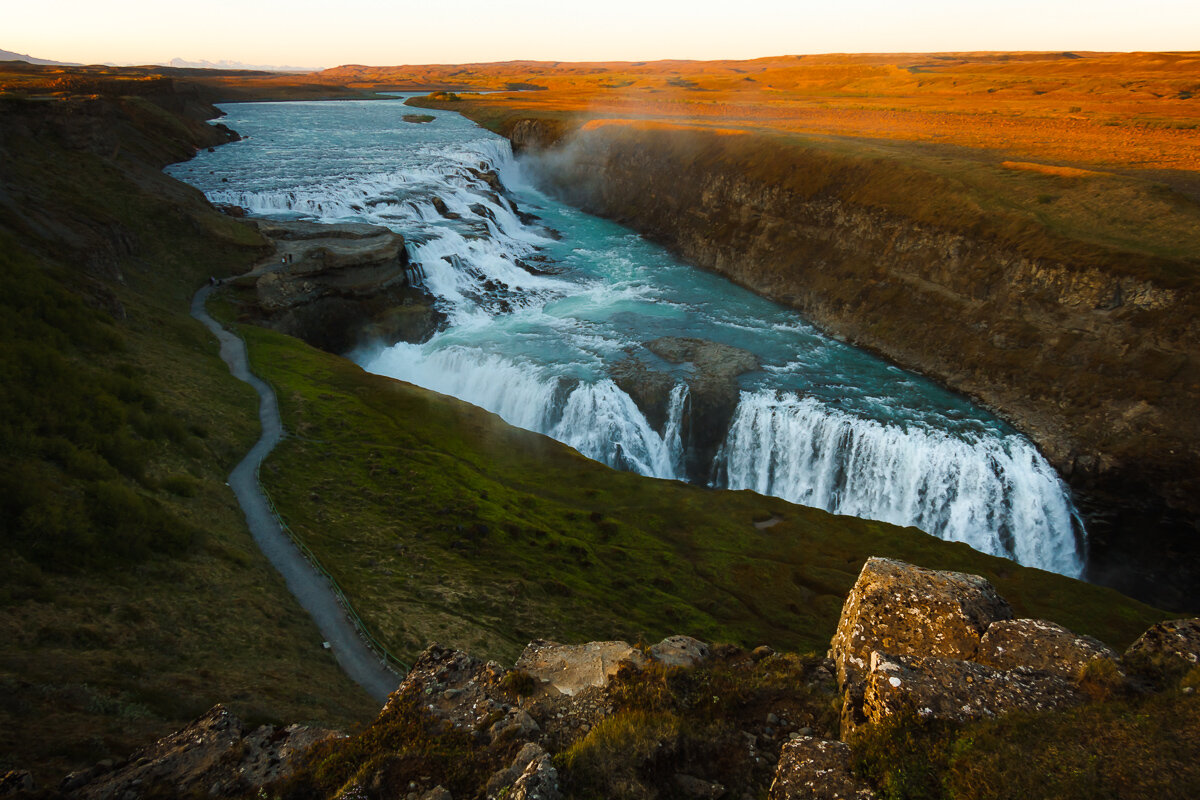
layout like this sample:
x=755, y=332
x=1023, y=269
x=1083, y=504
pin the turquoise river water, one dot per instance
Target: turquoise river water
x=541, y=310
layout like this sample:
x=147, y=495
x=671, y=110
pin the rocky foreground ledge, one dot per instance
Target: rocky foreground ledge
x=681, y=718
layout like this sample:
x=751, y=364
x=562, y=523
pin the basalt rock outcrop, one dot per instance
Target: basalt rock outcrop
x=711, y=379
x=1096, y=363
x=337, y=286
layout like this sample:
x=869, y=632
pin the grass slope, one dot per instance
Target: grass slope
x=132, y=597
x=444, y=523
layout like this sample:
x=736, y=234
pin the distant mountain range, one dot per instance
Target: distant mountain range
x=180, y=63
x=226, y=64
x=8, y=55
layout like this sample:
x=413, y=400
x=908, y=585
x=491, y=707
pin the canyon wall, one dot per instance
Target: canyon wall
x=1082, y=349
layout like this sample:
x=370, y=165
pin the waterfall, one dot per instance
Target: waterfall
x=536, y=326
x=596, y=418
x=996, y=493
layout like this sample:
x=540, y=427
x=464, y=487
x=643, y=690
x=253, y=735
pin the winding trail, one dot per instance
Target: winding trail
x=356, y=659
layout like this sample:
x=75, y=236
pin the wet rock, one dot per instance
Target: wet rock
x=488, y=176
x=1040, y=645
x=480, y=210
x=953, y=689
x=907, y=610
x=650, y=389
x=439, y=205
x=679, y=651
x=338, y=286
x=713, y=392
x=1174, y=639
x=817, y=769
x=569, y=669
x=526, y=217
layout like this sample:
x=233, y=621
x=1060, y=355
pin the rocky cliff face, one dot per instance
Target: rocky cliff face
x=1098, y=366
x=338, y=286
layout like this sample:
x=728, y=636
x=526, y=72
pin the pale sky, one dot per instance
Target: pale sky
x=391, y=32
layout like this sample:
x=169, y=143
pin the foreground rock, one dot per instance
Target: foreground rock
x=817, y=769
x=681, y=718
x=569, y=669
x=958, y=690
x=905, y=610
x=338, y=286
x=1040, y=645
x=215, y=756
x=1173, y=639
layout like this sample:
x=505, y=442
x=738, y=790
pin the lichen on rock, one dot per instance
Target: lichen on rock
x=905, y=610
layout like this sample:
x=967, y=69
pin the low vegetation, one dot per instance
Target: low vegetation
x=132, y=597
x=1123, y=747
x=443, y=523
x=672, y=732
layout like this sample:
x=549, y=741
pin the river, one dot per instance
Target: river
x=546, y=304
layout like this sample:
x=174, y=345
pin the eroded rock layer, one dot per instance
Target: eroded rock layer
x=1090, y=351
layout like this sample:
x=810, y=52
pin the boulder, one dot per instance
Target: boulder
x=953, y=689
x=1040, y=645
x=568, y=669
x=340, y=285
x=817, y=769
x=16, y=780
x=679, y=651
x=539, y=781
x=1173, y=639
x=907, y=610
x=502, y=780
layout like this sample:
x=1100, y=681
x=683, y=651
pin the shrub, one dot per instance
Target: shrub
x=518, y=682
x=610, y=760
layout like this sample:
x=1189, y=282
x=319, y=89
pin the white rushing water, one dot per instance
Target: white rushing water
x=538, y=319
x=996, y=494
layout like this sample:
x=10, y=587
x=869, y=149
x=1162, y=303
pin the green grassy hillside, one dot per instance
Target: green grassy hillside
x=444, y=523
x=132, y=597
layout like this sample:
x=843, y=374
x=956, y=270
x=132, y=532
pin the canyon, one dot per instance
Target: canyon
x=1088, y=350
x=133, y=599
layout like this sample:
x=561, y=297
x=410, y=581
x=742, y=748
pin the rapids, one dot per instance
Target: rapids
x=543, y=300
